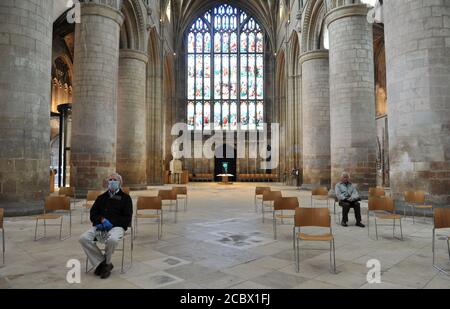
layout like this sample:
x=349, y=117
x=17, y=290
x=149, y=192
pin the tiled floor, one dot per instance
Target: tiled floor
x=220, y=242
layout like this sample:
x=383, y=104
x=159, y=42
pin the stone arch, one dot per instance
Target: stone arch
x=133, y=33
x=313, y=25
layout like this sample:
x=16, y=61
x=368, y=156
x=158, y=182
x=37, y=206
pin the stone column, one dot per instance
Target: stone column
x=25, y=85
x=316, y=119
x=95, y=85
x=417, y=35
x=352, y=95
x=131, y=118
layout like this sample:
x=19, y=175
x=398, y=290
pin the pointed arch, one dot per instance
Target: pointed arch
x=133, y=34
x=313, y=28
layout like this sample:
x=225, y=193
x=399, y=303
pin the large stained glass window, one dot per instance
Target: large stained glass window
x=225, y=82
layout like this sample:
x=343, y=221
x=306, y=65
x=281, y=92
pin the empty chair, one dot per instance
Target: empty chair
x=169, y=196
x=182, y=194
x=441, y=221
x=280, y=205
x=90, y=200
x=419, y=203
x=55, y=203
x=376, y=192
x=314, y=217
x=69, y=192
x=3, y=234
x=271, y=197
x=146, y=203
x=258, y=195
x=384, y=209
x=319, y=194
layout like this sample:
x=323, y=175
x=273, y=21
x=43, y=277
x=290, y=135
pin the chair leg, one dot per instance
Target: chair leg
x=368, y=224
x=401, y=228
x=274, y=220
x=262, y=210
x=35, y=230
x=334, y=256
x=3, y=245
x=123, y=253
x=413, y=214
x=433, y=247
x=393, y=229
x=293, y=239
x=298, y=256
x=376, y=228
x=448, y=245
x=60, y=228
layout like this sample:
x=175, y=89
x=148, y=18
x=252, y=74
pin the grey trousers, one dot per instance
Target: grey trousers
x=94, y=254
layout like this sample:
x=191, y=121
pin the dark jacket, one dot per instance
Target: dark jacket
x=118, y=210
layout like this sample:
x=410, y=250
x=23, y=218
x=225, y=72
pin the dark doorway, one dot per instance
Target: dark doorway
x=225, y=162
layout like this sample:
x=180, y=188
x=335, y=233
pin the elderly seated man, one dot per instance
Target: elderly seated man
x=348, y=197
x=111, y=216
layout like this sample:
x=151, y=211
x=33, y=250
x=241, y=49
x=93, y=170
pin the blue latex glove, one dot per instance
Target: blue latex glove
x=107, y=225
x=100, y=227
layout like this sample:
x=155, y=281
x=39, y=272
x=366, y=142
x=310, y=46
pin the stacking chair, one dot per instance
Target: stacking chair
x=384, y=209
x=127, y=234
x=319, y=194
x=271, y=197
x=314, y=217
x=182, y=194
x=126, y=190
x=441, y=221
x=376, y=192
x=281, y=204
x=3, y=234
x=90, y=200
x=69, y=192
x=419, y=203
x=170, y=196
x=149, y=203
x=55, y=203
x=258, y=195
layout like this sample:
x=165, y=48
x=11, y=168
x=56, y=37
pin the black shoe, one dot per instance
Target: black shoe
x=99, y=269
x=107, y=271
x=360, y=224
x=344, y=224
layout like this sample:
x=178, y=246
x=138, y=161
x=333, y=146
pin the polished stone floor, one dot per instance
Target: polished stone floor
x=220, y=242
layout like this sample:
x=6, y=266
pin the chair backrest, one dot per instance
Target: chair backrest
x=261, y=190
x=319, y=217
x=92, y=195
x=419, y=197
x=320, y=191
x=149, y=202
x=410, y=196
x=67, y=191
x=125, y=190
x=167, y=195
x=381, y=203
x=271, y=195
x=376, y=192
x=1, y=217
x=286, y=203
x=53, y=203
x=180, y=190
x=441, y=218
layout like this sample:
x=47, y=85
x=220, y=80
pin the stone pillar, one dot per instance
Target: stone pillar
x=417, y=35
x=316, y=119
x=25, y=85
x=352, y=95
x=95, y=84
x=131, y=118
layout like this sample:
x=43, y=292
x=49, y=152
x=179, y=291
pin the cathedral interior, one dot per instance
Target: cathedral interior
x=288, y=95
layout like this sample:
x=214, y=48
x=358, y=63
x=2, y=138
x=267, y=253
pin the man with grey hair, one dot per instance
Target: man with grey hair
x=111, y=216
x=348, y=197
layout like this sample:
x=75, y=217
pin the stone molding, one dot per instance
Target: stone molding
x=102, y=10
x=133, y=54
x=346, y=11
x=314, y=54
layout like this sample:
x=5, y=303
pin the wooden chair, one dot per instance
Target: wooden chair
x=3, y=234
x=441, y=221
x=258, y=195
x=319, y=194
x=126, y=190
x=376, y=192
x=182, y=193
x=384, y=209
x=69, y=192
x=271, y=197
x=170, y=196
x=55, y=203
x=127, y=234
x=90, y=200
x=419, y=203
x=314, y=217
x=149, y=203
x=281, y=204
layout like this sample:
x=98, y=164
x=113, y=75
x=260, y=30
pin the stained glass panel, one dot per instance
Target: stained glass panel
x=244, y=116
x=191, y=115
x=198, y=116
x=217, y=116
x=260, y=115
x=252, y=113
x=233, y=116
x=225, y=116
x=207, y=116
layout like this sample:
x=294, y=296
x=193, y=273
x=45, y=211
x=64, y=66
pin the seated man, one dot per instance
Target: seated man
x=111, y=216
x=348, y=197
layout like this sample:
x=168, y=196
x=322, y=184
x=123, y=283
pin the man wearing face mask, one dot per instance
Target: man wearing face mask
x=111, y=216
